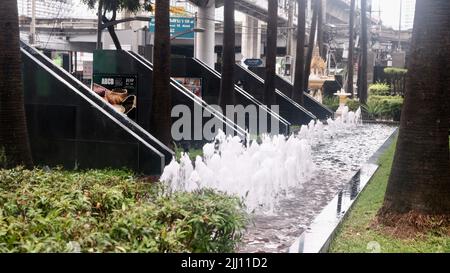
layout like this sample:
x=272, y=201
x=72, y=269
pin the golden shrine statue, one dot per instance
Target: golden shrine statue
x=318, y=75
x=318, y=65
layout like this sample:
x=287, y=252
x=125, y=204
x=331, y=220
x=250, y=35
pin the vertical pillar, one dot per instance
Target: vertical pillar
x=75, y=62
x=32, y=38
x=257, y=40
x=251, y=38
x=290, y=30
x=309, y=11
x=205, y=41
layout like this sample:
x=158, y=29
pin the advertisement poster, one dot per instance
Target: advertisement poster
x=119, y=90
x=192, y=84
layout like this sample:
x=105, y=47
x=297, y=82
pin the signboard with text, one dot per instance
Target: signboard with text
x=253, y=62
x=178, y=25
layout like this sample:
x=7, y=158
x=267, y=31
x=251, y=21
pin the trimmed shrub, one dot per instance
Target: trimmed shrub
x=379, y=89
x=395, y=71
x=112, y=211
x=396, y=79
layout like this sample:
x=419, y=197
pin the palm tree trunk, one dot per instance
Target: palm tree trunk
x=320, y=29
x=226, y=96
x=161, y=99
x=350, y=48
x=419, y=183
x=299, y=77
x=99, y=24
x=363, y=82
x=14, y=142
x=271, y=56
x=312, y=38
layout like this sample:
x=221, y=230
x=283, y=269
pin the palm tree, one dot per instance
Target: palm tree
x=160, y=120
x=271, y=56
x=419, y=183
x=14, y=144
x=299, y=77
x=363, y=81
x=350, y=48
x=312, y=37
x=226, y=96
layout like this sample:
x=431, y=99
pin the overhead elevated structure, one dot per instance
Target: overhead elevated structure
x=336, y=11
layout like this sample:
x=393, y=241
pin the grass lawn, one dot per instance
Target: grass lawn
x=355, y=234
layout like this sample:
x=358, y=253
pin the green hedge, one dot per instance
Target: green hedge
x=396, y=78
x=395, y=71
x=111, y=211
x=379, y=89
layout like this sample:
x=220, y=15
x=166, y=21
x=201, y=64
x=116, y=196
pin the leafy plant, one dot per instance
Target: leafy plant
x=373, y=109
x=112, y=211
x=353, y=104
x=384, y=107
x=332, y=102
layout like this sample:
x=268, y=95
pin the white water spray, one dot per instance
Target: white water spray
x=261, y=173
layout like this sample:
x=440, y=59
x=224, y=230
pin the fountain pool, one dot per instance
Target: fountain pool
x=336, y=161
x=285, y=181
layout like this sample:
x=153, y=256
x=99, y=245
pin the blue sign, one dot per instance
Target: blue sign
x=253, y=62
x=178, y=25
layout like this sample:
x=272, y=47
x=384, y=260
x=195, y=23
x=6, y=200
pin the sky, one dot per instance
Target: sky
x=390, y=11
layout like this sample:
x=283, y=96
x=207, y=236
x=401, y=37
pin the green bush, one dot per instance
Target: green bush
x=111, y=211
x=379, y=89
x=353, y=104
x=331, y=102
x=384, y=107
